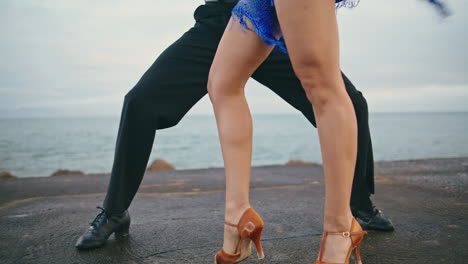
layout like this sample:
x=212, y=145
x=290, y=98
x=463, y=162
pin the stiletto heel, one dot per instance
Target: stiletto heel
x=356, y=234
x=357, y=252
x=250, y=228
x=258, y=246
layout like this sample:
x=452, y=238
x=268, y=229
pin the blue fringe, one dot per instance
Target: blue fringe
x=346, y=3
x=264, y=22
x=263, y=18
x=441, y=7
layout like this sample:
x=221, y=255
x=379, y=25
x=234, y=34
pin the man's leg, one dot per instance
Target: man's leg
x=165, y=93
x=277, y=74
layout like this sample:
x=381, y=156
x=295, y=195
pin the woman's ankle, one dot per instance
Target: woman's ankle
x=234, y=211
x=337, y=223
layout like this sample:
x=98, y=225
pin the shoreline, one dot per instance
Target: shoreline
x=79, y=173
x=211, y=115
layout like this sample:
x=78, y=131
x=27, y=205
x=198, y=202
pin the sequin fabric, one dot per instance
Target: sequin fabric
x=262, y=16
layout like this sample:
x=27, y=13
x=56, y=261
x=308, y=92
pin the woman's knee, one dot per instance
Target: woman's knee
x=211, y=86
x=320, y=80
x=222, y=86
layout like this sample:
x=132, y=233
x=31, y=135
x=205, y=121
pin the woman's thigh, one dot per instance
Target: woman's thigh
x=239, y=53
x=311, y=33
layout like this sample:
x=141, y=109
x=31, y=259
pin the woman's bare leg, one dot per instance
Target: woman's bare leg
x=239, y=54
x=311, y=33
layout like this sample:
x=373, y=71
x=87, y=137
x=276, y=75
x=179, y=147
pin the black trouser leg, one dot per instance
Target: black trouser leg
x=277, y=74
x=133, y=148
x=165, y=93
x=363, y=184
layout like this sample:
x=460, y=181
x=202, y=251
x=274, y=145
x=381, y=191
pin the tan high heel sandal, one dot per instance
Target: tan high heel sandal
x=250, y=228
x=356, y=234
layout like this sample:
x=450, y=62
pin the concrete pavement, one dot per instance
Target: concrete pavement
x=177, y=216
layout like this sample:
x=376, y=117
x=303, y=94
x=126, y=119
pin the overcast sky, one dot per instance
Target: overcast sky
x=80, y=58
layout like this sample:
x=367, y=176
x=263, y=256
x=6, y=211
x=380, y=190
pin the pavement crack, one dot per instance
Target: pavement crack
x=289, y=237
x=170, y=251
x=161, y=253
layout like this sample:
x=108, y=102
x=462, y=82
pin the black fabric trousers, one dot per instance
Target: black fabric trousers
x=178, y=79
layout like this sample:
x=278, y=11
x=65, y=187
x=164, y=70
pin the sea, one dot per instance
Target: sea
x=37, y=147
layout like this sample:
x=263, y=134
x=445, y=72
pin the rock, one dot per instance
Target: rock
x=301, y=162
x=65, y=172
x=159, y=165
x=6, y=175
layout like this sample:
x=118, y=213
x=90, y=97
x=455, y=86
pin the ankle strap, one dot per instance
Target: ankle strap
x=243, y=214
x=229, y=224
x=346, y=234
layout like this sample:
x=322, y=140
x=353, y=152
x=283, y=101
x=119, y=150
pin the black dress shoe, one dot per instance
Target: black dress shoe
x=102, y=227
x=372, y=219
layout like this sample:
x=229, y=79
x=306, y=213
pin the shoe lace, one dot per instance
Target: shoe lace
x=102, y=216
x=375, y=211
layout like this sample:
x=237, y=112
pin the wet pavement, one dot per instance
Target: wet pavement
x=177, y=216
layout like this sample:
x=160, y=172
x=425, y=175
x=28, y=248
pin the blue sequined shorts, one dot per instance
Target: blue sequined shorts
x=262, y=15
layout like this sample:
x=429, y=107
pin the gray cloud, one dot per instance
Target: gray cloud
x=81, y=57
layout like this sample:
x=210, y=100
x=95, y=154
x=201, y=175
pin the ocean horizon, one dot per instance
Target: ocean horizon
x=37, y=147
